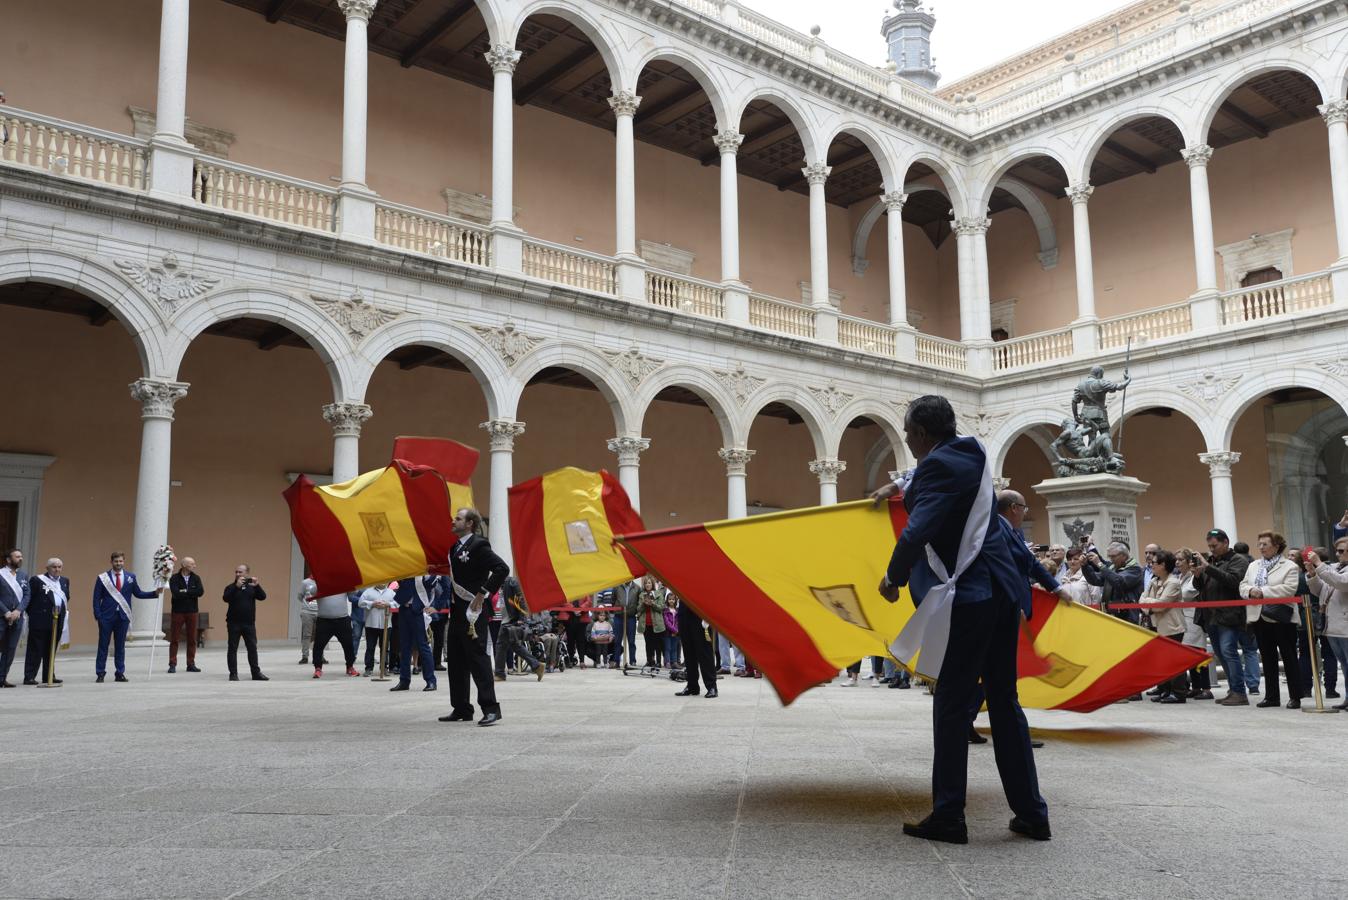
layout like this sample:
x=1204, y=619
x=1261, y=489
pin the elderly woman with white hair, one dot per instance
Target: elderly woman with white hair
x=1272, y=576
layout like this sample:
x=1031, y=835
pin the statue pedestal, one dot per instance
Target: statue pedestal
x=1104, y=506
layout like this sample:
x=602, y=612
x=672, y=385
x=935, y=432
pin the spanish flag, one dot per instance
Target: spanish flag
x=797, y=591
x=561, y=533
x=451, y=459
x=384, y=525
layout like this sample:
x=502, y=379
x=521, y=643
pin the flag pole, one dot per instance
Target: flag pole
x=51, y=657
x=1313, y=639
x=1123, y=402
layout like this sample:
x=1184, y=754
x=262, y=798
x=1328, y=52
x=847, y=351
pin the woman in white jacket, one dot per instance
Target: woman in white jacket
x=1273, y=576
x=1329, y=581
x=1078, y=588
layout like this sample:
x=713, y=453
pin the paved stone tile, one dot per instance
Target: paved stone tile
x=135, y=872
x=266, y=831
x=569, y=876
x=863, y=843
x=509, y=831
x=651, y=835
x=96, y=828
x=425, y=873
x=815, y=878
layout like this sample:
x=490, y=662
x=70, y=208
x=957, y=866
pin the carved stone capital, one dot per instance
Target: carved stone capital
x=503, y=58
x=629, y=449
x=624, y=103
x=736, y=459
x=971, y=226
x=1079, y=193
x=1000, y=483
x=728, y=141
x=357, y=9
x=1197, y=155
x=157, y=397
x=1335, y=112
x=894, y=201
x=828, y=470
x=1219, y=462
x=816, y=173
x=347, y=419
x=502, y=433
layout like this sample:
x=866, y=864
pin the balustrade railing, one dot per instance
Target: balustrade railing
x=1277, y=298
x=684, y=294
x=1151, y=324
x=781, y=316
x=562, y=265
x=868, y=337
x=1032, y=349
x=264, y=195
x=422, y=232
x=73, y=151
x=942, y=353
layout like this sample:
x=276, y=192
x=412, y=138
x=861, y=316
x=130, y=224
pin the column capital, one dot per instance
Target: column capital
x=894, y=201
x=502, y=58
x=828, y=470
x=629, y=449
x=736, y=459
x=1000, y=483
x=157, y=396
x=624, y=103
x=1219, y=462
x=357, y=9
x=971, y=226
x=728, y=141
x=1079, y=193
x=1335, y=112
x=346, y=419
x=817, y=172
x=1197, y=155
x=503, y=433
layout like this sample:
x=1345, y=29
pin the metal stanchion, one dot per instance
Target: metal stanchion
x=383, y=652
x=51, y=657
x=1314, y=641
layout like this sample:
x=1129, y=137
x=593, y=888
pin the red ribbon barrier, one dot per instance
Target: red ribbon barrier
x=1202, y=604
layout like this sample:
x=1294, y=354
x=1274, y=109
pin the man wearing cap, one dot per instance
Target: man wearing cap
x=1217, y=576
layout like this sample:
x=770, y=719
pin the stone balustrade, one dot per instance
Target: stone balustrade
x=781, y=316
x=942, y=354
x=264, y=195
x=422, y=232
x=687, y=295
x=1277, y=298
x=563, y=265
x=868, y=337
x=1032, y=350
x=75, y=151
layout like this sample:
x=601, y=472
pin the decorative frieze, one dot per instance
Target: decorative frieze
x=635, y=366
x=981, y=424
x=166, y=281
x=1336, y=367
x=510, y=343
x=832, y=399
x=357, y=317
x=740, y=383
x=1208, y=387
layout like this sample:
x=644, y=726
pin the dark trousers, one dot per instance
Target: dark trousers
x=698, y=654
x=512, y=641
x=247, y=631
x=187, y=622
x=114, y=630
x=467, y=657
x=1278, y=639
x=9, y=644
x=327, y=629
x=374, y=640
x=575, y=638
x=38, y=655
x=1329, y=666
x=1178, y=685
x=438, y=624
x=983, y=638
x=653, y=647
x=412, y=640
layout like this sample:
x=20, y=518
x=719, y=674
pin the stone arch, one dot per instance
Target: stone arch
x=1080, y=173
x=887, y=417
x=999, y=174
x=809, y=139
x=492, y=17
x=794, y=396
x=710, y=78
x=1215, y=92
x=138, y=314
x=697, y=380
x=319, y=332
x=878, y=148
x=482, y=361
x=1021, y=423
x=612, y=385
x=951, y=179
x=604, y=40
x=1161, y=397
x=1244, y=394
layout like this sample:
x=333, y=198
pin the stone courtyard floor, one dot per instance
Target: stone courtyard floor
x=597, y=785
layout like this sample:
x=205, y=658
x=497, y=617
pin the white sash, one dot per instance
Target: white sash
x=927, y=633
x=116, y=594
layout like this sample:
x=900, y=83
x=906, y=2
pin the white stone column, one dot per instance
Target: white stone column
x=503, y=58
x=346, y=420
x=631, y=276
x=157, y=398
x=972, y=253
x=1219, y=463
x=828, y=470
x=170, y=154
x=898, y=286
x=1335, y=114
x=736, y=461
x=816, y=174
x=502, y=433
x=629, y=449
x=736, y=292
x=1085, y=334
x=1205, y=265
x=355, y=202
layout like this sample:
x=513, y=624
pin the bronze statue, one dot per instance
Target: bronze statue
x=1084, y=446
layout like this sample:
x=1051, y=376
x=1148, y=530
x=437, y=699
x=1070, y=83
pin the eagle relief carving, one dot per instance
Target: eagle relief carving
x=166, y=281
x=357, y=317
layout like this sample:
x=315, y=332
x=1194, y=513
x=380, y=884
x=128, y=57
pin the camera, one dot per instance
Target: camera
x=1039, y=548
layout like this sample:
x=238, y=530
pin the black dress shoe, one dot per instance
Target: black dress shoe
x=489, y=719
x=1294, y=704
x=952, y=833
x=258, y=676
x=686, y=692
x=439, y=667
x=29, y=681
x=6, y=684
x=120, y=677
x=975, y=737
x=400, y=687
x=1172, y=698
x=429, y=687
x=712, y=693
x=233, y=676
x=1039, y=831
x=458, y=717
x=1035, y=745
x=99, y=679
x=172, y=669
x=1268, y=702
x=57, y=681
x=191, y=668
x=1331, y=694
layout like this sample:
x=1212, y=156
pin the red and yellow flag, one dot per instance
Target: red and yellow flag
x=387, y=524
x=451, y=459
x=797, y=592
x=561, y=534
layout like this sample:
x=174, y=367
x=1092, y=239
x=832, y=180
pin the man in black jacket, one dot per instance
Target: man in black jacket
x=185, y=589
x=1121, y=579
x=476, y=573
x=513, y=631
x=242, y=596
x=49, y=600
x=1217, y=576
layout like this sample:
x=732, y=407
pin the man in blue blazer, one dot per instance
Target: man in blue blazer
x=113, y=592
x=14, y=594
x=414, y=596
x=984, y=622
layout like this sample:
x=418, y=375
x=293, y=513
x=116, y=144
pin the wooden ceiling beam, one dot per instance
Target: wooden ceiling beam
x=438, y=29
x=1247, y=121
x=844, y=163
x=100, y=316
x=273, y=337
x=1133, y=157
x=554, y=73
x=687, y=92
x=277, y=10
x=421, y=357
x=763, y=137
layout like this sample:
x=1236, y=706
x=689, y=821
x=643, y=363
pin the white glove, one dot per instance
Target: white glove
x=472, y=615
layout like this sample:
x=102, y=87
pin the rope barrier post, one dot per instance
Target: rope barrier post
x=51, y=656
x=383, y=651
x=1314, y=641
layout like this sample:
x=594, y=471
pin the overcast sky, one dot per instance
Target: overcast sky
x=969, y=35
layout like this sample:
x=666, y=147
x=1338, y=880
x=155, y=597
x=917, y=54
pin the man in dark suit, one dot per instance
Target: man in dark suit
x=242, y=596
x=113, y=592
x=699, y=654
x=476, y=573
x=50, y=596
x=414, y=596
x=13, y=604
x=941, y=496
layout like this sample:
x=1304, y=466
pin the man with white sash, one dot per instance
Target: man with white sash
x=13, y=604
x=413, y=598
x=113, y=592
x=476, y=572
x=50, y=592
x=962, y=576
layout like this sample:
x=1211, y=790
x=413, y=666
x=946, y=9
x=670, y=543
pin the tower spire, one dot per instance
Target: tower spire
x=908, y=34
